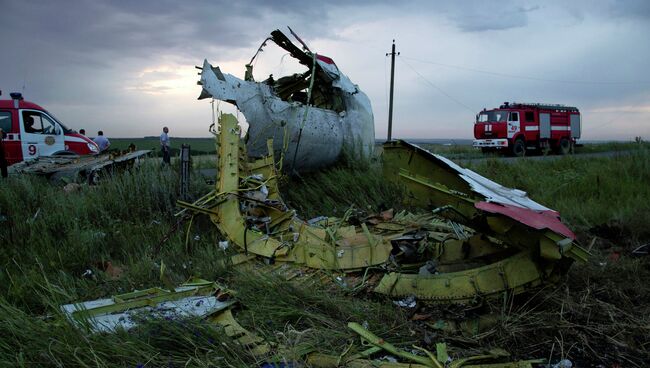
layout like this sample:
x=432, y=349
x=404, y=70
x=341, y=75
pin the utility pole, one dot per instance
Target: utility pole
x=392, y=84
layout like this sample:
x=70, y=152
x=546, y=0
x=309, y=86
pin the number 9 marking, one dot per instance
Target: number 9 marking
x=31, y=149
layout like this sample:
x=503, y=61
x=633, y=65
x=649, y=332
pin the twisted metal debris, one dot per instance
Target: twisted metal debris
x=478, y=240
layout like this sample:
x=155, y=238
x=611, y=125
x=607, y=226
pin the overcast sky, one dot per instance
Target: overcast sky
x=127, y=67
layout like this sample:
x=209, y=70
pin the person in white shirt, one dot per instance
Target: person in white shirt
x=164, y=145
x=102, y=141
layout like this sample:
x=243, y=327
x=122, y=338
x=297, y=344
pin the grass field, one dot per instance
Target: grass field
x=599, y=315
x=205, y=146
x=199, y=146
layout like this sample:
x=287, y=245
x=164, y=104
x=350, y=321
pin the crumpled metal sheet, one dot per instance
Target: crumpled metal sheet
x=462, y=264
x=193, y=306
x=535, y=219
x=194, y=299
x=433, y=180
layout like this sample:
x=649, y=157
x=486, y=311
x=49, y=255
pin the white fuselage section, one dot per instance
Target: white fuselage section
x=325, y=133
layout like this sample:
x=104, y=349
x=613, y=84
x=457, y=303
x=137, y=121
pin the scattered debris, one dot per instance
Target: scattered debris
x=564, y=363
x=195, y=298
x=408, y=302
x=86, y=167
x=419, y=357
x=642, y=250
x=71, y=188
x=474, y=240
x=480, y=239
x=223, y=245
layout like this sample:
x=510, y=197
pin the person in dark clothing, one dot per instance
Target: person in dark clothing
x=3, y=159
x=29, y=125
x=164, y=145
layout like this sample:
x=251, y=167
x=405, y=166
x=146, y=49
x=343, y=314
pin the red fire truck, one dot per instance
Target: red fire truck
x=517, y=127
x=30, y=132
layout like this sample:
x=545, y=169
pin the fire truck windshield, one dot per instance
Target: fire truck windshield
x=494, y=115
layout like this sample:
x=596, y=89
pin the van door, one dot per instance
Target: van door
x=40, y=134
x=513, y=124
x=11, y=142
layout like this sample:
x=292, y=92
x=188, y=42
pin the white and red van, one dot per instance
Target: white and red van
x=30, y=132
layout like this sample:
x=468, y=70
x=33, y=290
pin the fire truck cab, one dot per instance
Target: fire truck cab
x=31, y=132
x=517, y=127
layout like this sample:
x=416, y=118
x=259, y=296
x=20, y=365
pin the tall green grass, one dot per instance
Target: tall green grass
x=50, y=238
x=55, y=249
x=200, y=146
x=588, y=193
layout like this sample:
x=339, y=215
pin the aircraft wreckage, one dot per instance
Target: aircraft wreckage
x=318, y=111
x=472, y=239
x=478, y=240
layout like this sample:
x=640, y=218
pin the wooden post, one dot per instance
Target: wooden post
x=185, y=172
x=392, y=85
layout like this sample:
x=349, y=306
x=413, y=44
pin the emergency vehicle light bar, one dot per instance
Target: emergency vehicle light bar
x=16, y=96
x=538, y=105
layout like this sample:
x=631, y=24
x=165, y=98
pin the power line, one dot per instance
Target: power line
x=499, y=74
x=439, y=89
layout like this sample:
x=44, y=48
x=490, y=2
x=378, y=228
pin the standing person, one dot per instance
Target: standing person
x=82, y=132
x=164, y=145
x=102, y=141
x=3, y=159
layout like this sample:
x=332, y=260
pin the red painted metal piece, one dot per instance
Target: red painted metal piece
x=535, y=219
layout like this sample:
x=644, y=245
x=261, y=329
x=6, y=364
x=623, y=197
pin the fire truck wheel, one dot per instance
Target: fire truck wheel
x=564, y=147
x=519, y=148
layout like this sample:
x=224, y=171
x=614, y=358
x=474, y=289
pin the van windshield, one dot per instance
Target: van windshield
x=494, y=115
x=66, y=130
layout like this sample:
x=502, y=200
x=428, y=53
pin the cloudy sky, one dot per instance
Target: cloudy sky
x=127, y=67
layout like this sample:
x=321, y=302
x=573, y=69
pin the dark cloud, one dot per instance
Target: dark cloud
x=115, y=60
x=488, y=16
x=639, y=9
x=89, y=46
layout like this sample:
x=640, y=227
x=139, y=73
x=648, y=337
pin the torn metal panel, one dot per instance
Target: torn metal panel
x=536, y=219
x=435, y=182
x=255, y=344
x=420, y=161
x=195, y=299
x=338, y=116
x=514, y=274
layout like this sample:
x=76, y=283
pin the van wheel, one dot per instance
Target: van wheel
x=519, y=148
x=564, y=148
x=65, y=154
